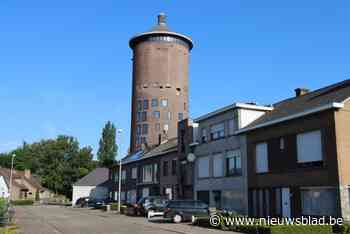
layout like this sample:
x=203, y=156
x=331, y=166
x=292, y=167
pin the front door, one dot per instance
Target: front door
x=286, y=212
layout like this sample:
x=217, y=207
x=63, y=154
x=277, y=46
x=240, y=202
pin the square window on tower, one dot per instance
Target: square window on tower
x=164, y=102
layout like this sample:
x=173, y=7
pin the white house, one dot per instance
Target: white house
x=93, y=185
x=4, y=189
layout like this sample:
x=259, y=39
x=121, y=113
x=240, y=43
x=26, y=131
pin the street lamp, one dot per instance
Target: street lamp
x=11, y=172
x=120, y=170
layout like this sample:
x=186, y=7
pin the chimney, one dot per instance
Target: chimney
x=162, y=19
x=301, y=91
x=27, y=173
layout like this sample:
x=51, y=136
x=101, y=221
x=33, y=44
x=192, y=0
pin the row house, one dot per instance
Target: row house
x=298, y=155
x=220, y=175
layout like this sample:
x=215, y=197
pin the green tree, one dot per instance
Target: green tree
x=107, y=151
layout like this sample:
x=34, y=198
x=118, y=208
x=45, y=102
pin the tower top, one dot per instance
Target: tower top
x=162, y=19
x=160, y=29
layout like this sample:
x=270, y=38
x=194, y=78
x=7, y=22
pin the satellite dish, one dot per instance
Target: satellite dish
x=191, y=157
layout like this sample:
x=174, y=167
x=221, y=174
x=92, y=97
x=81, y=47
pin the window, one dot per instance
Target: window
x=138, y=116
x=157, y=126
x=139, y=105
x=138, y=140
x=166, y=127
x=131, y=196
x=134, y=173
x=123, y=174
x=165, y=168
x=143, y=140
x=318, y=201
x=164, y=102
x=261, y=158
x=181, y=116
x=154, y=102
x=204, y=135
x=233, y=163
x=231, y=127
x=282, y=143
x=138, y=129
x=217, y=131
x=144, y=129
x=309, y=147
x=156, y=114
x=149, y=173
x=145, y=104
x=185, y=106
x=203, y=167
x=218, y=166
x=144, y=116
x=173, y=167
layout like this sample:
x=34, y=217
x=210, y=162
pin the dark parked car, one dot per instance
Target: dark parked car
x=151, y=203
x=98, y=203
x=182, y=210
x=82, y=202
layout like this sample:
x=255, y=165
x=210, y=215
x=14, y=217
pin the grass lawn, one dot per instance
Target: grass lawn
x=11, y=229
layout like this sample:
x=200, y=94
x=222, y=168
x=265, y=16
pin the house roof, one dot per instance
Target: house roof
x=99, y=176
x=329, y=97
x=165, y=147
x=19, y=175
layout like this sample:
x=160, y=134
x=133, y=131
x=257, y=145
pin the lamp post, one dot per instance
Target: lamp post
x=120, y=171
x=11, y=172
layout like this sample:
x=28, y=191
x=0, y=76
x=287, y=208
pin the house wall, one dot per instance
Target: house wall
x=234, y=192
x=4, y=192
x=342, y=120
x=169, y=182
x=98, y=192
x=283, y=168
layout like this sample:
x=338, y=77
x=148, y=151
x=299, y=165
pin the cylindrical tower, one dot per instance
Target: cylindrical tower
x=160, y=84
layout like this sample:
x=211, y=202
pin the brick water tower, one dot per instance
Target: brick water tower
x=159, y=84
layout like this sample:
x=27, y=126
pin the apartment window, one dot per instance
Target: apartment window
x=164, y=102
x=139, y=105
x=203, y=167
x=173, y=167
x=144, y=116
x=204, y=135
x=218, y=165
x=149, y=173
x=233, y=163
x=123, y=175
x=145, y=104
x=138, y=129
x=156, y=114
x=231, y=127
x=261, y=158
x=318, y=201
x=154, y=102
x=309, y=147
x=165, y=168
x=217, y=131
x=138, y=140
x=134, y=173
x=157, y=126
x=138, y=116
x=144, y=129
x=181, y=116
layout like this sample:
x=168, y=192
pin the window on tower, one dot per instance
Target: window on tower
x=138, y=116
x=145, y=104
x=139, y=105
x=156, y=114
x=157, y=126
x=168, y=116
x=138, y=129
x=144, y=116
x=164, y=102
x=154, y=102
x=181, y=116
x=145, y=129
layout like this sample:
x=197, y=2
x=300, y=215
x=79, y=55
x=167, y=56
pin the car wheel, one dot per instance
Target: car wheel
x=177, y=218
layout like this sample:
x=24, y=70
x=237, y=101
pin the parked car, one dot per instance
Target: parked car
x=82, y=202
x=98, y=203
x=179, y=211
x=153, y=204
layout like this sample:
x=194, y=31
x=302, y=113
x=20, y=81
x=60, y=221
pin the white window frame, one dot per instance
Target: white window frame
x=134, y=173
x=217, y=131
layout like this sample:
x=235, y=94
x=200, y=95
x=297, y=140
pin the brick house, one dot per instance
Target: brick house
x=298, y=155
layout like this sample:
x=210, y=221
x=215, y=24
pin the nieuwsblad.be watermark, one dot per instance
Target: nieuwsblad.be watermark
x=217, y=220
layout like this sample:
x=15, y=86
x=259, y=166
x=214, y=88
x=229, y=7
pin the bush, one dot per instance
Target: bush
x=22, y=202
x=342, y=229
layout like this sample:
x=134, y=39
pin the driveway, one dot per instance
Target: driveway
x=68, y=220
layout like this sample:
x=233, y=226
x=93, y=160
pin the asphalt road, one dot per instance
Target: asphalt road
x=68, y=220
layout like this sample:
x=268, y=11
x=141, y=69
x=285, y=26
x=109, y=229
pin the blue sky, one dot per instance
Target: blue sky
x=65, y=66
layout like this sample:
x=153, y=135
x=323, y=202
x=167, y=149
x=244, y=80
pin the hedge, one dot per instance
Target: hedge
x=342, y=229
x=22, y=202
